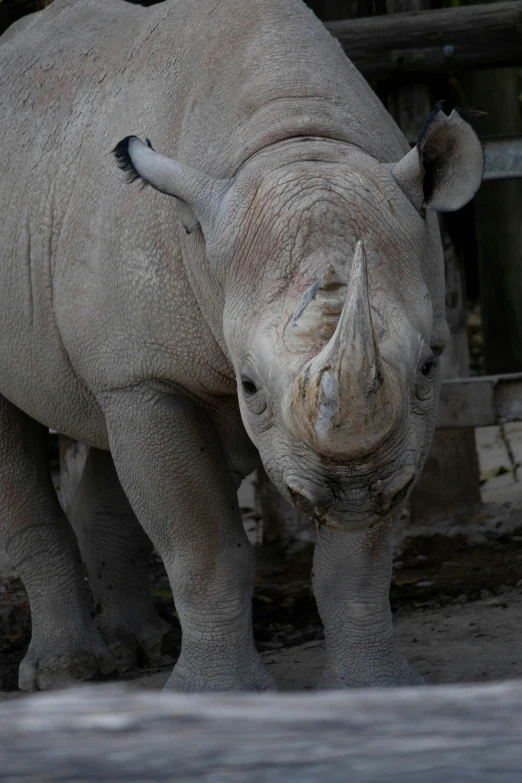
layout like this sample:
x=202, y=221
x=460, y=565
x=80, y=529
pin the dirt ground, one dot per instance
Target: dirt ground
x=456, y=596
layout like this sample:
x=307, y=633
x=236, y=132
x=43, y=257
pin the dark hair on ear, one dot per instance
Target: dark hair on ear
x=433, y=116
x=124, y=162
x=432, y=151
x=426, y=169
x=123, y=159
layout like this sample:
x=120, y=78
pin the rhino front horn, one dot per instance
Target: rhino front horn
x=344, y=401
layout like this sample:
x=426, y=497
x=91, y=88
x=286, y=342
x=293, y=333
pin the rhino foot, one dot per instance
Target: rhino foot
x=192, y=675
x=394, y=674
x=149, y=641
x=54, y=669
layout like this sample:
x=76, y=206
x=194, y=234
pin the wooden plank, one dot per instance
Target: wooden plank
x=502, y=157
x=497, y=471
x=433, y=42
x=455, y=734
x=497, y=208
x=480, y=402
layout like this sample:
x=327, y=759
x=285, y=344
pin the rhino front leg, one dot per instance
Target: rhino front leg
x=65, y=647
x=172, y=468
x=351, y=577
x=116, y=552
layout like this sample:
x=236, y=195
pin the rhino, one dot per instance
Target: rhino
x=274, y=293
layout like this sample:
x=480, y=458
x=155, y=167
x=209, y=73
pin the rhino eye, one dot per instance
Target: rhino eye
x=254, y=395
x=249, y=387
x=428, y=368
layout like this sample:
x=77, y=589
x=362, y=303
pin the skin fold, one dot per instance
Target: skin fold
x=276, y=294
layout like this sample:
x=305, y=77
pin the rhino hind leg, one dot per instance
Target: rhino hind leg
x=116, y=552
x=65, y=646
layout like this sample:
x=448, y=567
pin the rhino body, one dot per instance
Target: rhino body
x=129, y=326
x=112, y=294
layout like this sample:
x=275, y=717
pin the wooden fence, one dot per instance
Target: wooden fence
x=420, y=44
x=427, y=43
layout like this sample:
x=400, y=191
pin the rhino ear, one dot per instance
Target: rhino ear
x=444, y=170
x=198, y=196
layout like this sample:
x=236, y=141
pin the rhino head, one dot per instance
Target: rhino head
x=331, y=269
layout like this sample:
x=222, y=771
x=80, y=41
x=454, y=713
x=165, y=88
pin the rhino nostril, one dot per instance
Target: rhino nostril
x=302, y=503
x=386, y=498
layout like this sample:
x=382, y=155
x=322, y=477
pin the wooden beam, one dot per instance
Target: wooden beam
x=480, y=402
x=433, y=42
x=502, y=156
x=451, y=733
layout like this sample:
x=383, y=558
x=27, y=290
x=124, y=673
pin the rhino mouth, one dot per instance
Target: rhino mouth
x=324, y=514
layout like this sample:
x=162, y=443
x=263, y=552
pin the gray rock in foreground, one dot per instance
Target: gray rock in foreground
x=455, y=734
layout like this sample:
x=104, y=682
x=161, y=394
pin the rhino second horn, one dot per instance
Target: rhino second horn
x=331, y=280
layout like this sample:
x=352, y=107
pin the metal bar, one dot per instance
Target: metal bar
x=480, y=402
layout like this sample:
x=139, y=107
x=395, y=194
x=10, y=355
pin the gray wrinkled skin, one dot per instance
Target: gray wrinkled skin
x=120, y=329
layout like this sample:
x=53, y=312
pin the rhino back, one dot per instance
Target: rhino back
x=264, y=70
x=100, y=290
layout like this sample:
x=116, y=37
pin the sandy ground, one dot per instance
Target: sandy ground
x=454, y=619
x=477, y=642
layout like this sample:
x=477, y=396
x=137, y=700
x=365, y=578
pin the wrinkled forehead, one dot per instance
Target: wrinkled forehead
x=308, y=217
x=308, y=208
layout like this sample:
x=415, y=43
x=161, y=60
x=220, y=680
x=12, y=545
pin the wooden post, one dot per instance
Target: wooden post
x=498, y=211
x=451, y=474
